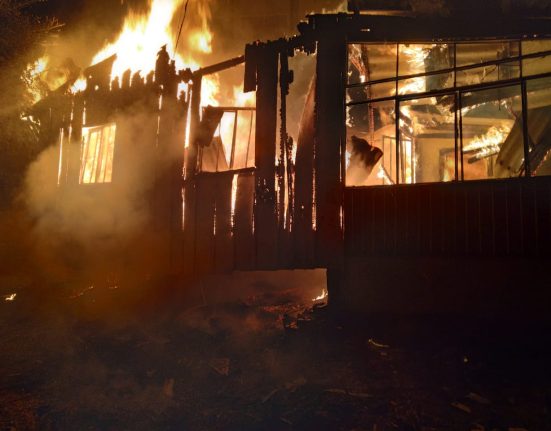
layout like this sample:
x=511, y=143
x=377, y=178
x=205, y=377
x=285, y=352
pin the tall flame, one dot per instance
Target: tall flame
x=140, y=39
x=490, y=142
x=142, y=36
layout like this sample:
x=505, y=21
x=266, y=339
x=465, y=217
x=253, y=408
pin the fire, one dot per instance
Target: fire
x=139, y=41
x=414, y=85
x=33, y=72
x=78, y=86
x=38, y=67
x=142, y=36
x=322, y=297
x=202, y=41
x=234, y=198
x=10, y=298
x=417, y=54
x=490, y=143
x=243, y=99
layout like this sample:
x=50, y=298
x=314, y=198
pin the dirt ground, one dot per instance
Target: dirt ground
x=110, y=357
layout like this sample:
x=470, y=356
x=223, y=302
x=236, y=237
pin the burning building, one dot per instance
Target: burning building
x=417, y=173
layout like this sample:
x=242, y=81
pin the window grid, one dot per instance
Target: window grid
x=457, y=91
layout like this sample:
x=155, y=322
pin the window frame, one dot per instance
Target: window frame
x=457, y=90
x=235, y=111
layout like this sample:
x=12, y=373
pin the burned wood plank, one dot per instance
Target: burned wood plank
x=265, y=154
x=224, y=250
x=243, y=237
x=329, y=146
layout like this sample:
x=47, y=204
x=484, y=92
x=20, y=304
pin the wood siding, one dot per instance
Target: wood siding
x=484, y=218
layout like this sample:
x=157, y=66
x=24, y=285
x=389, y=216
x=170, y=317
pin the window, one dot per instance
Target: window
x=539, y=126
x=427, y=140
x=539, y=61
x=457, y=108
x=98, y=144
x=230, y=143
x=493, y=145
x=371, y=150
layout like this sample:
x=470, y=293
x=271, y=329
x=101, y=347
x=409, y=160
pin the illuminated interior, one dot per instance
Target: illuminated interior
x=232, y=145
x=98, y=146
x=457, y=109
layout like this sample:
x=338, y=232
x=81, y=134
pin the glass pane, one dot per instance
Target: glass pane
x=226, y=135
x=371, y=144
x=476, y=53
x=103, y=155
x=110, y=154
x=421, y=58
x=89, y=157
x=427, y=140
x=492, y=73
x=539, y=126
x=423, y=84
x=492, y=133
x=535, y=66
x=368, y=62
x=244, y=139
x=216, y=157
x=98, y=144
x=368, y=92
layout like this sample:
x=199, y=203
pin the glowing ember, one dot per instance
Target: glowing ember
x=10, y=298
x=234, y=198
x=322, y=297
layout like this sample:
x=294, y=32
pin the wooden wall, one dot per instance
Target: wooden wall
x=484, y=218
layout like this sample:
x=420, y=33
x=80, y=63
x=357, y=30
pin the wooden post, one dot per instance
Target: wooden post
x=329, y=147
x=265, y=217
x=190, y=188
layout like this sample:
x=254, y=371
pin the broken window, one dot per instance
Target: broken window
x=371, y=62
x=492, y=57
x=98, y=145
x=541, y=62
x=371, y=149
x=425, y=59
x=460, y=107
x=493, y=144
x=427, y=140
x=230, y=143
x=539, y=125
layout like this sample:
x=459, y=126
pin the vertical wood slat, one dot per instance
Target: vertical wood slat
x=265, y=218
x=438, y=219
x=205, y=241
x=244, y=244
x=529, y=219
x=224, y=250
x=402, y=222
x=497, y=218
x=303, y=235
x=486, y=220
x=501, y=227
x=514, y=216
x=543, y=217
x=329, y=143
